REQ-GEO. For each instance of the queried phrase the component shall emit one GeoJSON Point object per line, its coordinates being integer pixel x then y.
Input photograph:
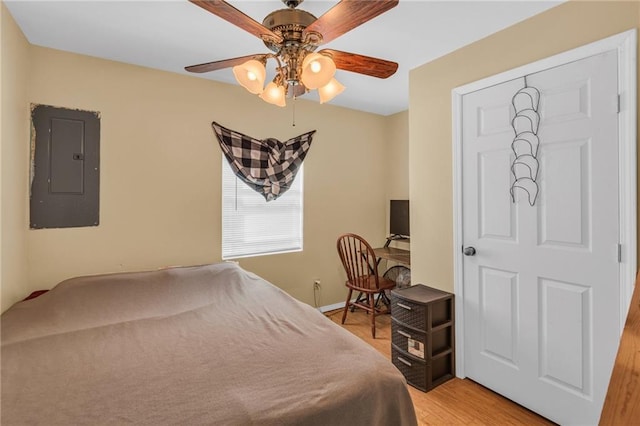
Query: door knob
{"type": "Point", "coordinates": [469, 251]}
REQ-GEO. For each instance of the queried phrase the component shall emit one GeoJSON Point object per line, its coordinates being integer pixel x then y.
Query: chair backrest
{"type": "Point", "coordinates": [359, 261]}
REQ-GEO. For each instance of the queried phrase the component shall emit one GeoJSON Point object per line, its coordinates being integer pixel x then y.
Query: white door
{"type": "Point", "coordinates": [541, 294]}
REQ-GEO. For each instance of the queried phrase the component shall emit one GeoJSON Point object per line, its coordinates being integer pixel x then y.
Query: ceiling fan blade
{"type": "Point", "coordinates": [361, 64]}
{"type": "Point", "coordinates": [347, 15]}
{"type": "Point", "coordinates": [218, 65]}
{"type": "Point", "coordinates": [230, 14]}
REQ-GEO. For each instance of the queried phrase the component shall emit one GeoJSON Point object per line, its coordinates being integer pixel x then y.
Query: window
{"type": "Point", "coordinates": [253, 227]}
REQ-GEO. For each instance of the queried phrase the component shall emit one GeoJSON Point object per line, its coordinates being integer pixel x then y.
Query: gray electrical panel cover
{"type": "Point", "coordinates": [65, 185]}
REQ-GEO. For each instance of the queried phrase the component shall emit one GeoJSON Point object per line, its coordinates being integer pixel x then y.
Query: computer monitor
{"type": "Point", "coordinates": [399, 217]}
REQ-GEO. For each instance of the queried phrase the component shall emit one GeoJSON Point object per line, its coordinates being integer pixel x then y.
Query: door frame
{"type": "Point", "coordinates": [626, 44]}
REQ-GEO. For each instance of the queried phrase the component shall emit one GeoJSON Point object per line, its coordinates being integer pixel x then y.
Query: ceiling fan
{"type": "Point", "coordinates": [294, 35]}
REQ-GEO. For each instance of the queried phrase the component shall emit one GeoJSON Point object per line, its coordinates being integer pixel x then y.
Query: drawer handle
{"type": "Point", "coordinates": [404, 361]}
{"type": "Point", "coordinates": [402, 333]}
{"type": "Point", "coordinates": [408, 308]}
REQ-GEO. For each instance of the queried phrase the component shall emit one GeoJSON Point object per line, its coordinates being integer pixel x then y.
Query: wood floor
{"type": "Point", "coordinates": [456, 402]}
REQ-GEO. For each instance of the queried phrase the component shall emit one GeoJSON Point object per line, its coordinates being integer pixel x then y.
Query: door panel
{"type": "Point", "coordinates": [494, 119]}
{"type": "Point", "coordinates": [566, 103]}
{"type": "Point", "coordinates": [565, 214]}
{"type": "Point", "coordinates": [499, 314]}
{"type": "Point", "coordinates": [565, 331]}
{"type": "Point", "coordinates": [541, 295]}
{"type": "Point", "coordinates": [496, 211]}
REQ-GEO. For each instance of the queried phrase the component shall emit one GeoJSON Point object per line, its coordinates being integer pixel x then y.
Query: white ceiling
{"type": "Point", "coordinates": [169, 35]}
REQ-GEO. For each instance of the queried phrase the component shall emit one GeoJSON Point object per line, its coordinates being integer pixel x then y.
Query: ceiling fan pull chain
{"type": "Point", "coordinates": [293, 124]}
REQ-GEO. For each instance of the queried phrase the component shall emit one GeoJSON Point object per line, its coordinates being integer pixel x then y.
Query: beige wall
{"type": "Point", "coordinates": [160, 174]}
{"type": "Point", "coordinates": [14, 160]}
{"type": "Point", "coordinates": [562, 28]}
{"type": "Point", "coordinates": [396, 168]}
{"type": "Point", "coordinates": [397, 157]}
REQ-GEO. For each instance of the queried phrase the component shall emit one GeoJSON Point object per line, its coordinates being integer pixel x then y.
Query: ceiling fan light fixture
{"type": "Point", "coordinates": [251, 75]}
{"type": "Point", "coordinates": [294, 35]}
{"type": "Point", "coordinates": [330, 90]}
{"type": "Point", "coordinates": [274, 94]}
{"type": "Point", "coordinates": [317, 70]}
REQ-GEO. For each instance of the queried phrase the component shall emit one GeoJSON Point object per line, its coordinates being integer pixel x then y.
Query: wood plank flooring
{"type": "Point", "coordinates": [456, 402]}
{"type": "Point", "coordinates": [622, 405]}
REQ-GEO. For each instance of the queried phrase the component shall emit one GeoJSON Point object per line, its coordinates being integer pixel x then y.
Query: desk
{"type": "Point", "coordinates": [395, 254]}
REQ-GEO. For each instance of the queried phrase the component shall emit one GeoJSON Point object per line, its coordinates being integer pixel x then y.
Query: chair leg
{"type": "Point", "coordinates": [346, 306]}
{"type": "Point", "coordinates": [358, 299]}
{"type": "Point", "coordinates": [372, 303]}
{"type": "Point", "coordinates": [382, 297]}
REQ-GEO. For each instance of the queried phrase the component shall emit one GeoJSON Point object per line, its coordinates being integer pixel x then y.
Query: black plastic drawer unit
{"type": "Point", "coordinates": [422, 335]}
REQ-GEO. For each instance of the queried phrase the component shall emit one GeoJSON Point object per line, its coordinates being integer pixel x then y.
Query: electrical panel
{"type": "Point", "coordinates": [65, 168]}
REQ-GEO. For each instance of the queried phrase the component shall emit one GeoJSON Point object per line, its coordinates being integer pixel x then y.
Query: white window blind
{"type": "Point", "coordinates": [253, 227]}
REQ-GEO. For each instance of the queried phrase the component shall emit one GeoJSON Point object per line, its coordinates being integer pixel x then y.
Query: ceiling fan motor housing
{"type": "Point", "coordinates": [292, 3]}
{"type": "Point", "coordinates": [290, 24]}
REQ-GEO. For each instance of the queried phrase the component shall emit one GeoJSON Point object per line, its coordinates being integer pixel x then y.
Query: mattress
{"type": "Point", "coordinates": [210, 344]}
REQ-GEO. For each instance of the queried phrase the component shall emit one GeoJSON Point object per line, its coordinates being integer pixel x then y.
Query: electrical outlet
{"type": "Point", "coordinates": [316, 284]}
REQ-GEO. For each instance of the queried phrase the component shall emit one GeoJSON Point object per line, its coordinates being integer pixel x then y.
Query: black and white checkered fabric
{"type": "Point", "coordinates": [268, 166]}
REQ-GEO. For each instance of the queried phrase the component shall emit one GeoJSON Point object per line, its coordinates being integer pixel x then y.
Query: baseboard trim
{"type": "Point", "coordinates": [333, 307]}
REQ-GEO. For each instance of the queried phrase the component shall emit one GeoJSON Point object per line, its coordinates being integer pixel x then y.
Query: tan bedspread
{"type": "Point", "coordinates": [199, 345]}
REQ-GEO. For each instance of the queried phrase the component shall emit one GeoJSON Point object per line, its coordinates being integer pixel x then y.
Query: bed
{"type": "Point", "coordinates": [210, 344]}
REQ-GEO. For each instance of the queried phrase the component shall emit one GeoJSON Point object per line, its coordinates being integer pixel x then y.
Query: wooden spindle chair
{"type": "Point", "coordinates": [361, 266]}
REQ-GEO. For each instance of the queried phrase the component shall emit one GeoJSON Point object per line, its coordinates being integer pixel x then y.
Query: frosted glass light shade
{"type": "Point", "coordinates": [274, 94]}
{"type": "Point", "coordinates": [317, 70]}
{"type": "Point", "coordinates": [251, 75]}
{"type": "Point", "coordinates": [330, 90]}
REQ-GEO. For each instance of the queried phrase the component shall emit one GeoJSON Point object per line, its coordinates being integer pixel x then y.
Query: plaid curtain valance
{"type": "Point", "coordinates": [268, 166]}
